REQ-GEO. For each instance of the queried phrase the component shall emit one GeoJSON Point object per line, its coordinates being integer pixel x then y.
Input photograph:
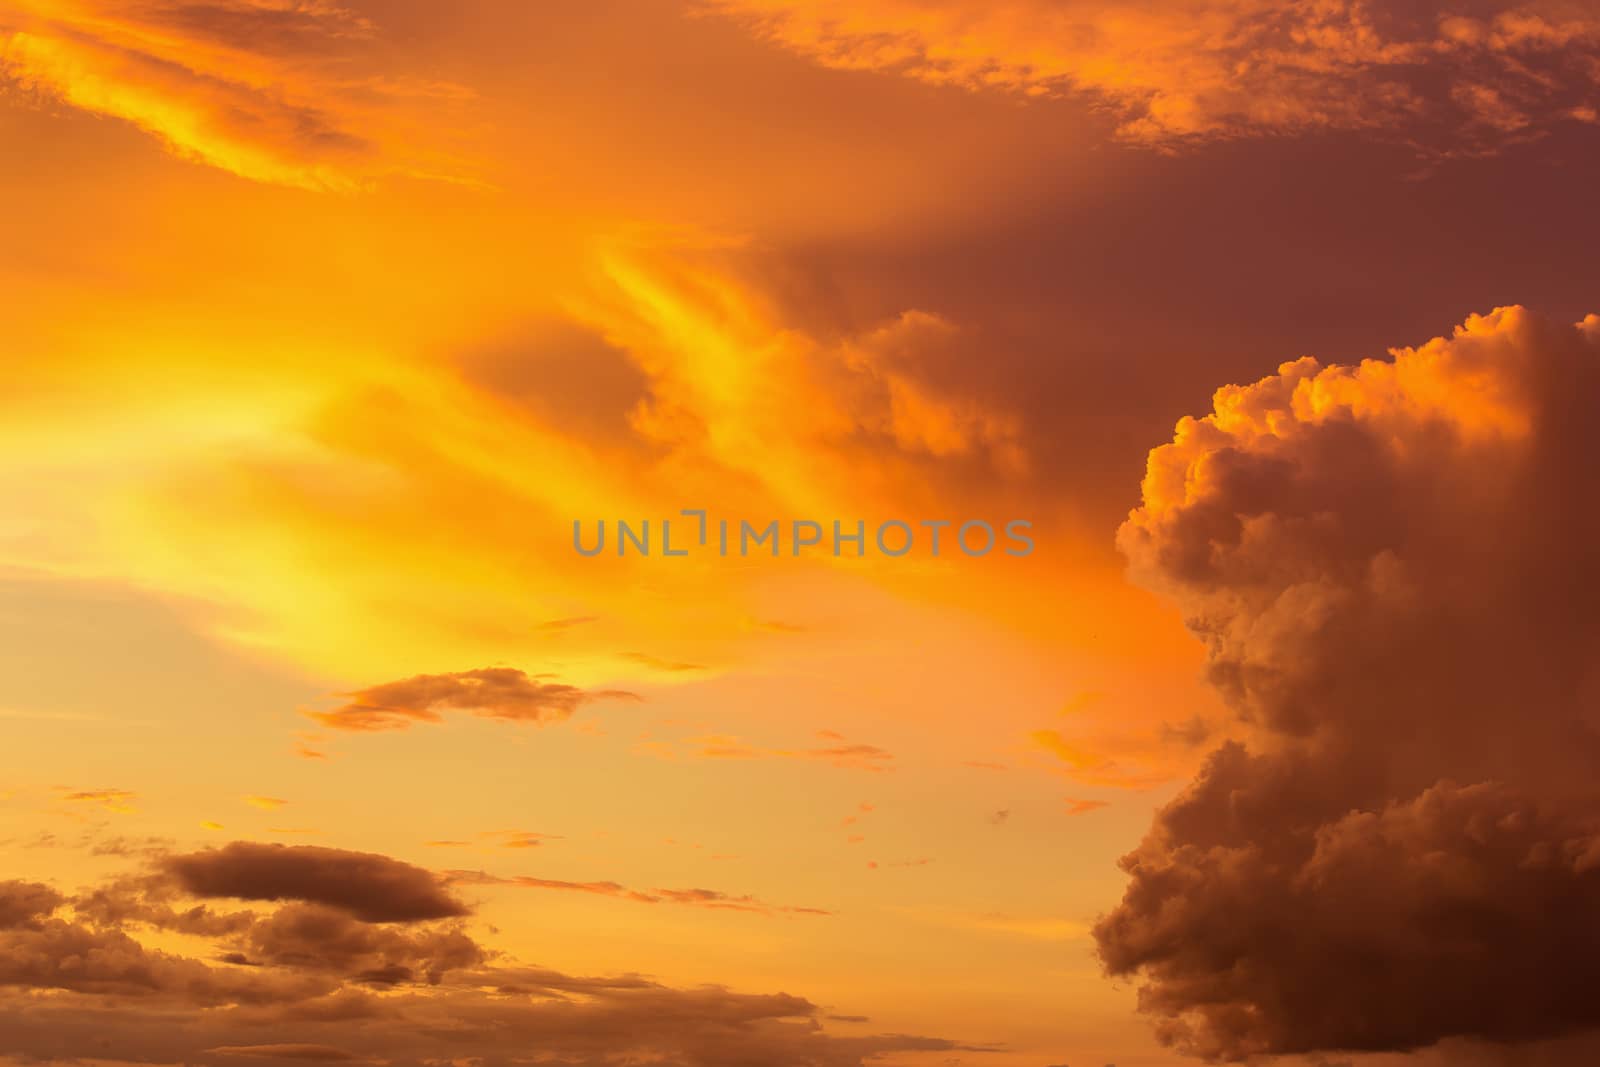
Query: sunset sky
{"type": "Point", "coordinates": [323, 321]}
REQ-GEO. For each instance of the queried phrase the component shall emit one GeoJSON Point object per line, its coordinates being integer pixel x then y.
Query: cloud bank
{"type": "Point", "coordinates": [360, 957]}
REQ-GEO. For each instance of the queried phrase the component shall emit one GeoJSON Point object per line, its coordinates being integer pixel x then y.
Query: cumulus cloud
{"type": "Point", "coordinates": [22, 903]}
{"type": "Point", "coordinates": [73, 956]}
{"type": "Point", "coordinates": [314, 937]}
{"type": "Point", "coordinates": [1190, 70]}
{"type": "Point", "coordinates": [492, 693]}
{"type": "Point", "coordinates": [1391, 568]}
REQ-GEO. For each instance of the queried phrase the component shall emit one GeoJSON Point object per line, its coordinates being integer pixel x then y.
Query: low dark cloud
{"type": "Point", "coordinates": [368, 886]}
{"type": "Point", "coordinates": [75, 957]}
{"type": "Point", "coordinates": [23, 903]}
{"type": "Point", "coordinates": [313, 937]}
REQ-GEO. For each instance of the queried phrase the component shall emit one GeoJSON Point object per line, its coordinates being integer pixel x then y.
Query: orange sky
{"type": "Point", "coordinates": [323, 322]}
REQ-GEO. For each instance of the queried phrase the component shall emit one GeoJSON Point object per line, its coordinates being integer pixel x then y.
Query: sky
{"type": "Point", "coordinates": [332, 333]}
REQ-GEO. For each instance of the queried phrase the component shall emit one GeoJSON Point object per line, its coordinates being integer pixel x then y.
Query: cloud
{"type": "Point", "coordinates": [117, 800]}
{"type": "Point", "coordinates": [1140, 762]}
{"type": "Point", "coordinates": [371, 887]}
{"type": "Point", "coordinates": [819, 421]}
{"type": "Point", "coordinates": [862, 811]}
{"type": "Point", "coordinates": [778, 626]}
{"type": "Point", "coordinates": [270, 90]}
{"type": "Point", "coordinates": [499, 839]}
{"type": "Point", "coordinates": [1192, 70]}
{"type": "Point", "coordinates": [304, 749]}
{"type": "Point", "coordinates": [557, 625]}
{"type": "Point", "coordinates": [122, 845]}
{"type": "Point", "coordinates": [312, 1053]}
{"type": "Point", "coordinates": [314, 937]}
{"type": "Point", "coordinates": [704, 898]}
{"type": "Point", "coordinates": [309, 938]}
{"type": "Point", "coordinates": [22, 903]}
{"type": "Point", "coordinates": [518, 838]}
{"type": "Point", "coordinates": [71, 957]}
{"type": "Point", "coordinates": [847, 755]}
{"type": "Point", "coordinates": [492, 693]}
{"type": "Point", "coordinates": [1104, 747]}
{"type": "Point", "coordinates": [265, 803]}
{"type": "Point", "coordinates": [878, 420]}
{"type": "Point", "coordinates": [656, 663]}
{"type": "Point", "coordinates": [1389, 567]}
{"type": "Point", "coordinates": [306, 981]}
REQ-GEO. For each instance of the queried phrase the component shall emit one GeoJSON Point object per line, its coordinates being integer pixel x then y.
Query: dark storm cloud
{"type": "Point", "coordinates": [1391, 567]}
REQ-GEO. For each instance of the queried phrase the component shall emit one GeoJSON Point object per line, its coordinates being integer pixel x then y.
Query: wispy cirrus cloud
{"type": "Point", "coordinates": [290, 1050]}
{"type": "Point", "coordinates": [657, 663]}
{"type": "Point", "coordinates": [277, 91]}
{"type": "Point", "coordinates": [1108, 758]}
{"type": "Point", "coordinates": [835, 751]}
{"type": "Point", "coordinates": [700, 898]}
{"type": "Point", "coordinates": [497, 839]}
{"type": "Point", "coordinates": [115, 800]}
